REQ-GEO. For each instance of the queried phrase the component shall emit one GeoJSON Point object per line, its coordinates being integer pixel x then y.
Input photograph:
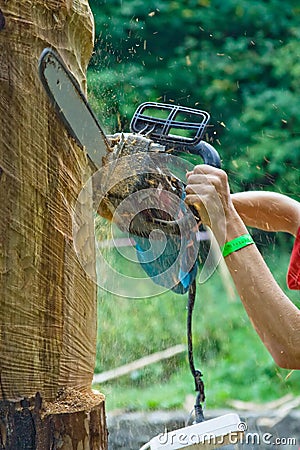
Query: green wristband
{"type": "Point", "coordinates": [236, 244]}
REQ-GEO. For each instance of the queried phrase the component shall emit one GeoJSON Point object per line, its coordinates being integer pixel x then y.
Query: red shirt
{"type": "Point", "coordinates": [293, 275]}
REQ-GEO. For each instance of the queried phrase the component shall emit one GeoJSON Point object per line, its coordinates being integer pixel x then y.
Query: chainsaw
{"type": "Point", "coordinates": [161, 137]}
{"type": "Point", "coordinates": [169, 125]}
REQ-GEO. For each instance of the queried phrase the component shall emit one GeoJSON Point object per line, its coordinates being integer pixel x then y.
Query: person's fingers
{"type": "Point", "coordinates": [200, 168]}
{"type": "Point", "coordinates": [194, 182]}
{"type": "Point", "coordinates": [214, 175]}
{"type": "Point", "coordinates": [208, 182]}
{"type": "Point", "coordinates": [206, 169]}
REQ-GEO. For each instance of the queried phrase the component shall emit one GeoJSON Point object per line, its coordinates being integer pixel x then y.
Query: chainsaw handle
{"type": "Point", "coordinates": [207, 152]}
{"type": "Point", "coordinates": [177, 128]}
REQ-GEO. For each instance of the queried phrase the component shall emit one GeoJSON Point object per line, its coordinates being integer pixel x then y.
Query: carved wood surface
{"type": "Point", "coordinates": [47, 302]}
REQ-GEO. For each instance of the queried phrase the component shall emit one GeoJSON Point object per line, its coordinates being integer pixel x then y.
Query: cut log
{"type": "Point", "coordinates": [47, 301]}
{"type": "Point", "coordinates": [75, 421]}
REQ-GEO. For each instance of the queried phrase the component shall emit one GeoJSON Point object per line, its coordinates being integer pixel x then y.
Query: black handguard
{"type": "Point", "coordinates": [178, 128]}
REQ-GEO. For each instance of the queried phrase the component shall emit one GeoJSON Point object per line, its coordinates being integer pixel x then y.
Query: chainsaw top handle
{"type": "Point", "coordinates": [178, 128]}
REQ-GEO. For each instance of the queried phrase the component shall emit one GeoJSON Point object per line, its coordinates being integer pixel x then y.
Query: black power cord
{"type": "Point", "coordinates": [199, 385]}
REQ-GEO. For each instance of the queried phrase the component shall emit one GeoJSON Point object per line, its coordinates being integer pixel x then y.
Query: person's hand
{"type": "Point", "coordinates": [208, 191]}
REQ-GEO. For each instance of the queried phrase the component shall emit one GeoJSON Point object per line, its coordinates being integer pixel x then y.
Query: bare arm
{"type": "Point", "coordinates": [268, 211]}
{"type": "Point", "coordinates": [273, 315]}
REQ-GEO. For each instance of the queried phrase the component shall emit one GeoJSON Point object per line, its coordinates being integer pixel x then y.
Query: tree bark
{"type": "Point", "coordinates": [47, 301]}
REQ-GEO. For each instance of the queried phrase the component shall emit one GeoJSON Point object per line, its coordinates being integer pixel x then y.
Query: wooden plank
{"type": "Point", "coordinates": [139, 364]}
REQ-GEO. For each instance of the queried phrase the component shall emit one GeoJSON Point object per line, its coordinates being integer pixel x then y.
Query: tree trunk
{"type": "Point", "coordinates": [48, 303]}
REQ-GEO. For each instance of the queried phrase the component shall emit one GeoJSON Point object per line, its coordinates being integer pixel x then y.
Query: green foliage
{"type": "Point", "coordinates": [237, 59]}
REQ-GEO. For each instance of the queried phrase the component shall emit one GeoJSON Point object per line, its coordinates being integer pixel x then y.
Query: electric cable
{"type": "Point", "coordinates": [199, 384]}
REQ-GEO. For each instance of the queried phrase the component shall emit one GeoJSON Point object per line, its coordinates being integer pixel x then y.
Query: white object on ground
{"type": "Point", "coordinates": [206, 435]}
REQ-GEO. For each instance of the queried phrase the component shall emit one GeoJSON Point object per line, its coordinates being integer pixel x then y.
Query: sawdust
{"type": "Point", "coordinates": [71, 400]}
{"type": "Point", "coordinates": [137, 188]}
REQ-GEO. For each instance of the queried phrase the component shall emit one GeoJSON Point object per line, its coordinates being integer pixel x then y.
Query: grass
{"type": "Point", "coordinates": [227, 350]}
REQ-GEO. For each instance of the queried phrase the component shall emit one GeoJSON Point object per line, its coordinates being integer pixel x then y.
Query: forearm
{"type": "Point", "coordinates": [268, 211]}
{"type": "Point", "coordinates": [274, 317]}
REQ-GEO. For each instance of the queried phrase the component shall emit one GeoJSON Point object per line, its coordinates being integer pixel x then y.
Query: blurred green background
{"type": "Point", "coordinates": [240, 61]}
